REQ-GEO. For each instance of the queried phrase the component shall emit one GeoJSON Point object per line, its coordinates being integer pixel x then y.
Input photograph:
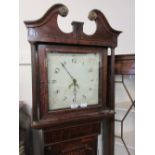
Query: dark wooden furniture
{"type": "Point", "coordinates": [125, 64]}
{"type": "Point", "coordinates": [73, 131]}
{"type": "Point", "coordinates": [25, 131]}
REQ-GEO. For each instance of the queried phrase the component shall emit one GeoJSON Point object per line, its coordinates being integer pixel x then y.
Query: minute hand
{"type": "Point", "coordinates": [67, 71]}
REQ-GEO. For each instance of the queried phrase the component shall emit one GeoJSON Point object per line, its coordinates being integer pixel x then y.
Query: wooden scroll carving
{"type": "Point", "coordinates": [46, 29]}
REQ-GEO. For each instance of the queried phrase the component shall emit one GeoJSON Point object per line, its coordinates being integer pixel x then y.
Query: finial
{"type": "Point", "coordinates": [92, 15]}
{"type": "Point", "coordinates": [63, 11]}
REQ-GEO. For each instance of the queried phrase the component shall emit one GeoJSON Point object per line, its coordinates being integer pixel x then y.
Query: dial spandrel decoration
{"type": "Point", "coordinates": [73, 80]}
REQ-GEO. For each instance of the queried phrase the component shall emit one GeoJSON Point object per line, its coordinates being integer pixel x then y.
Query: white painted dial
{"type": "Point", "coordinates": [72, 78]}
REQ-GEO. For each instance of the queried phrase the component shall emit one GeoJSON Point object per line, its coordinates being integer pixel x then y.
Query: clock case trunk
{"type": "Point", "coordinates": [70, 131]}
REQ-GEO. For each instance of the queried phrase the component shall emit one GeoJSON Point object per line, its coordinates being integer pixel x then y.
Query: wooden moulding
{"type": "Point", "coordinates": [46, 29]}
{"type": "Point", "coordinates": [125, 64]}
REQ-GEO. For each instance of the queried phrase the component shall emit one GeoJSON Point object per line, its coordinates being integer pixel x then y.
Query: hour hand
{"type": "Point", "coordinates": [73, 85]}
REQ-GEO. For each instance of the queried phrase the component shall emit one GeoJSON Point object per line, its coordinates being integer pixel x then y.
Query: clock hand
{"type": "Point", "coordinates": [74, 84]}
{"type": "Point", "coordinates": [75, 93]}
{"type": "Point", "coordinates": [75, 90]}
{"type": "Point", "coordinates": [64, 67]}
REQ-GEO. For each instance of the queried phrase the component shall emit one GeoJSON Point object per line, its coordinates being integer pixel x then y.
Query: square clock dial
{"type": "Point", "coordinates": [73, 79]}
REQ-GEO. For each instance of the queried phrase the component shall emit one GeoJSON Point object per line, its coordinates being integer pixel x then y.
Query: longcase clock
{"type": "Point", "coordinates": [73, 84]}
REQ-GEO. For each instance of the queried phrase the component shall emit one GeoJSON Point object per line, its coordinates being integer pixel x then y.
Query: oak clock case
{"type": "Point", "coordinates": [71, 79]}
{"type": "Point", "coordinates": [73, 84]}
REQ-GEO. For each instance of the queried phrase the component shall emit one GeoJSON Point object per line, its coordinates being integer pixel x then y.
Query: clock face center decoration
{"type": "Point", "coordinates": [73, 79]}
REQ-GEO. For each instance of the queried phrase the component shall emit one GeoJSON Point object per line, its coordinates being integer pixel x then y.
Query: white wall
{"type": "Point", "coordinates": [120, 14]}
